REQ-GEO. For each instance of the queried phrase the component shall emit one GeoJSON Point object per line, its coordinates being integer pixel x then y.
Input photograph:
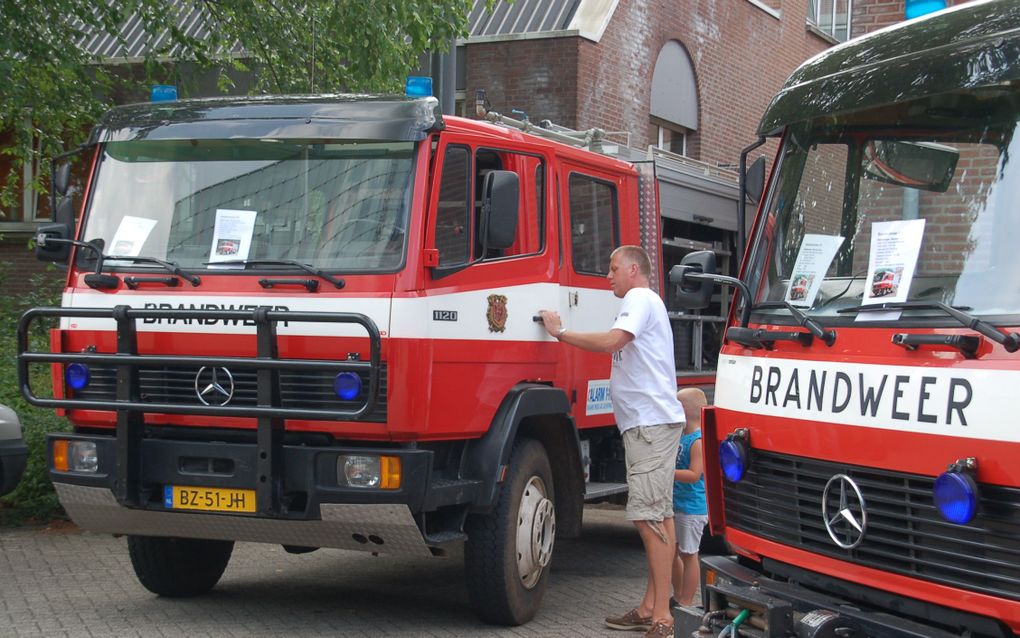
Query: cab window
{"type": "Point", "coordinates": [458, 217]}
{"type": "Point", "coordinates": [594, 229]}
{"type": "Point", "coordinates": [453, 216]}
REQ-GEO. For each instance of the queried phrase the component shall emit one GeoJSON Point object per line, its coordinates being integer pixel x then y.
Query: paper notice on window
{"type": "Point", "coordinates": [813, 260]}
{"type": "Point", "coordinates": [131, 235]}
{"type": "Point", "coordinates": [232, 234]}
{"type": "Point", "coordinates": [895, 247]}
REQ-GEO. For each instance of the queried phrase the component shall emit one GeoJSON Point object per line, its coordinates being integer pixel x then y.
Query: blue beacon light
{"type": "Point", "coordinates": [418, 86]}
{"type": "Point", "coordinates": [77, 376]}
{"type": "Point", "coordinates": [734, 455]}
{"type": "Point", "coordinates": [347, 386]}
{"type": "Point", "coordinates": [917, 8]}
{"type": "Point", "coordinates": [163, 93]}
{"type": "Point", "coordinates": [956, 493]}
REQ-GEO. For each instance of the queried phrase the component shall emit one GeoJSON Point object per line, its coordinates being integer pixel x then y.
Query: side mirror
{"type": "Point", "coordinates": [64, 212]}
{"type": "Point", "coordinates": [61, 178]}
{"type": "Point", "coordinates": [694, 293]}
{"type": "Point", "coordinates": [52, 242]}
{"type": "Point", "coordinates": [500, 196]}
{"type": "Point", "coordinates": [754, 183]}
{"type": "Point", "coordinates": [60, 184]}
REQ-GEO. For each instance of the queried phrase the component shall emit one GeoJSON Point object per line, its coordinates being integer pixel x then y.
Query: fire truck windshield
{"type": "Point", "coordinates": [335, 205]}
{"type": "Point", "coordinates": [867, 210]}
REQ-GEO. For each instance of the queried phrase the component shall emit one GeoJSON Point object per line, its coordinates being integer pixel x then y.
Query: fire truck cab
{"type": "Point", "coordinates": [861, 455]}
{"type": "Point", "coordinates": [311, 321]}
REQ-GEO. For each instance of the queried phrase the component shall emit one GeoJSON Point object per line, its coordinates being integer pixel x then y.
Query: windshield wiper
{"type": "Point", "coordinates": [269, 283]}
{"type": "Point", "coordinates": [1008, 340]}
{"type": "Point", "coordinates": [170, 266]}
{"type": "Point", "coordinates": [97, 279]}
{"type": "Point", "coordinates": [815, 330]}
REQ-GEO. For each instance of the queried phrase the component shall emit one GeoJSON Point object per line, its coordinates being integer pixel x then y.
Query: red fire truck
{"type": "Point", "coordinates": [310, 321]}
{"type": "Point", "coordinates": [861, 454]}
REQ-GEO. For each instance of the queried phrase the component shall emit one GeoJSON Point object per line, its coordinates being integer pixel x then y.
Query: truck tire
{"type": "Point", "coordinates": [178, 567]}
{"type": "Point", "coordinates": [508, 550]}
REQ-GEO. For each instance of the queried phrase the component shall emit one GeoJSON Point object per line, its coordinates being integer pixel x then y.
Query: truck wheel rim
{"type": "Point", "coordinates": [536, 531]}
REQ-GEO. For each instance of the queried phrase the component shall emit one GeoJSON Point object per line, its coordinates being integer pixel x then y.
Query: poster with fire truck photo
{"type": "Point", "coordinates": [895, 246]}
{"type": "Point", "coordinates": [813, 260]}
{"type": "Point", "coordinates": [131, 235]}
{"type": "Point", "coordinates": [232, 234]}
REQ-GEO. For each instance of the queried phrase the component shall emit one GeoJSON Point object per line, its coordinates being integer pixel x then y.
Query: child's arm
{"type": "Point", "coordinates": [693, 473]}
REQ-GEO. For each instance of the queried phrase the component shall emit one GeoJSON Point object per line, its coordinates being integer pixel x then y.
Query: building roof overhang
{"type": "Point", "coordinates": [131, 42]}
{"type": "Point", "coordinates": [535, 19]}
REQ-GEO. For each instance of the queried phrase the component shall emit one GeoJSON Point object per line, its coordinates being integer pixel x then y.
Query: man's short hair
{"type": "Point", "coordinates": [636, 255]}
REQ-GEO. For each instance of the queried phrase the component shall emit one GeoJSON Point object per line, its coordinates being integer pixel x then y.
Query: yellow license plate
{"type": "Point", "coordinates": [209, 499]}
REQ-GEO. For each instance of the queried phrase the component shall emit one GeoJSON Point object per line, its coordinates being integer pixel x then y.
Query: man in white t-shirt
{"type": "Point", "coordinates": [643, 387]}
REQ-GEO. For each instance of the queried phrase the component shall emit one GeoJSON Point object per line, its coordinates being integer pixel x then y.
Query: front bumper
{"type": "Point", "coordinates": [316, 511]}
{"type": "Point", "coordinates": [386, 529]}
{"type": "Point", "coordinates": [795, 606]}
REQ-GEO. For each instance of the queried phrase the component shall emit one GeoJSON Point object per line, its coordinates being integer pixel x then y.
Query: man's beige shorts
{"type": "Point", "coordinates": [651, 458]}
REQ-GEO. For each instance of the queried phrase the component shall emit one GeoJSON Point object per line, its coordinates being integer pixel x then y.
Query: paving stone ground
{"type": "Point", "coordinates": [63, 582]}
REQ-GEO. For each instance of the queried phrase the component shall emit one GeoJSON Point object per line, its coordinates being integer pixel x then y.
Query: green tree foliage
{"type": "Point", "coordinates": [34, 498]}
{"type": "Point", "coordinates": [53, 90]}
{"type": "Point", "coordinates": [359, 45]}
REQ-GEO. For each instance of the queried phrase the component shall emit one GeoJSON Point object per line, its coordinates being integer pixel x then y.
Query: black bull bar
{"type": "Point", "coordinates": [267, 364]}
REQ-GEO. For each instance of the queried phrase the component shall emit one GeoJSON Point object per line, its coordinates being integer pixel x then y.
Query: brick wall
{"type": "Point", "coordinates": [741, 56]}
{"type": "Point", "coordinates": [18, 267]}
{"type": "Point", "coordinates": [536, 76]}
{"type": "Point", "coordinates": [871, 15]}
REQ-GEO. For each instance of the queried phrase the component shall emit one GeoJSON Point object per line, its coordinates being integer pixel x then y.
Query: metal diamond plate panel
{"type": "Point", "coordinates": [649, 210]}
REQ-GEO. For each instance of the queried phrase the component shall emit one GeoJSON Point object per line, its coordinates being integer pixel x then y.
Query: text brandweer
{"type": "Point", "coordinates": [838, 392]}
{"type": "Point", "coordinates": [204, 321]}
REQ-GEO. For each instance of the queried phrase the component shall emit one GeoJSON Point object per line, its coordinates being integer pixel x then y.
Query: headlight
{"type": "Point", "coordinates": [368, 471]}
{"type": "Point", "coordinates": [75, 456]}
{"type": "Point", "coordinates": [82, 457]}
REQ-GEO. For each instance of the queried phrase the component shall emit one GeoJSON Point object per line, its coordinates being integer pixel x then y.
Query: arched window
{"type": "Point", "coordinates": [674, 104]}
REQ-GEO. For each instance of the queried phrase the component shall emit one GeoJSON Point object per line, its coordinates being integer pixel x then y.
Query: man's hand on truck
{"type": "Point", "coordinates": [609, 341]}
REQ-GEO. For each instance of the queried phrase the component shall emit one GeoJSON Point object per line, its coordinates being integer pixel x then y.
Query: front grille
{"type": "Point", "coordinates": [780, 499]}
{"type": "Point", "coordinates": [298, 390]}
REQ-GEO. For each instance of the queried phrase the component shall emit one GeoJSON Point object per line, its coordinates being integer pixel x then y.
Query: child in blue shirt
{"type": "Point", "coordinates": [689, 505]}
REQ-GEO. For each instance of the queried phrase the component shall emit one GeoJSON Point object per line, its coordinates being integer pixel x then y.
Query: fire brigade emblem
{"type": "Point", "coordinates": [497, 313]}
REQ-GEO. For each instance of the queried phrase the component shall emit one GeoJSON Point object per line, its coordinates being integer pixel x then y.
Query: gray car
{"type": "Point", "coordinates": [12, 450]}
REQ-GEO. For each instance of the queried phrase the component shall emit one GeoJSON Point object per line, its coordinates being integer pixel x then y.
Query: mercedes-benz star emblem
{"type": "Point", "coordinates": [847, 522]}
{"type": "Point", "coordinates": [214, 386]}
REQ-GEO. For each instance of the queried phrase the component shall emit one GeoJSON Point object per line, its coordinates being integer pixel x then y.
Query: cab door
{"type": "Point", "coordinates": [593, 225]}
{"type": "Point", "coordinates": [481, 300]}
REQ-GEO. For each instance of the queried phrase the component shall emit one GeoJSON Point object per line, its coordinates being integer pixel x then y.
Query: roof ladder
{"type": "Point", "coordinates": [590, 139]}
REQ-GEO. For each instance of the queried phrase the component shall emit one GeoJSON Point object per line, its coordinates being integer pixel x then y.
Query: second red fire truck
{"type": "Point", "coordinates": [861, 457]}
